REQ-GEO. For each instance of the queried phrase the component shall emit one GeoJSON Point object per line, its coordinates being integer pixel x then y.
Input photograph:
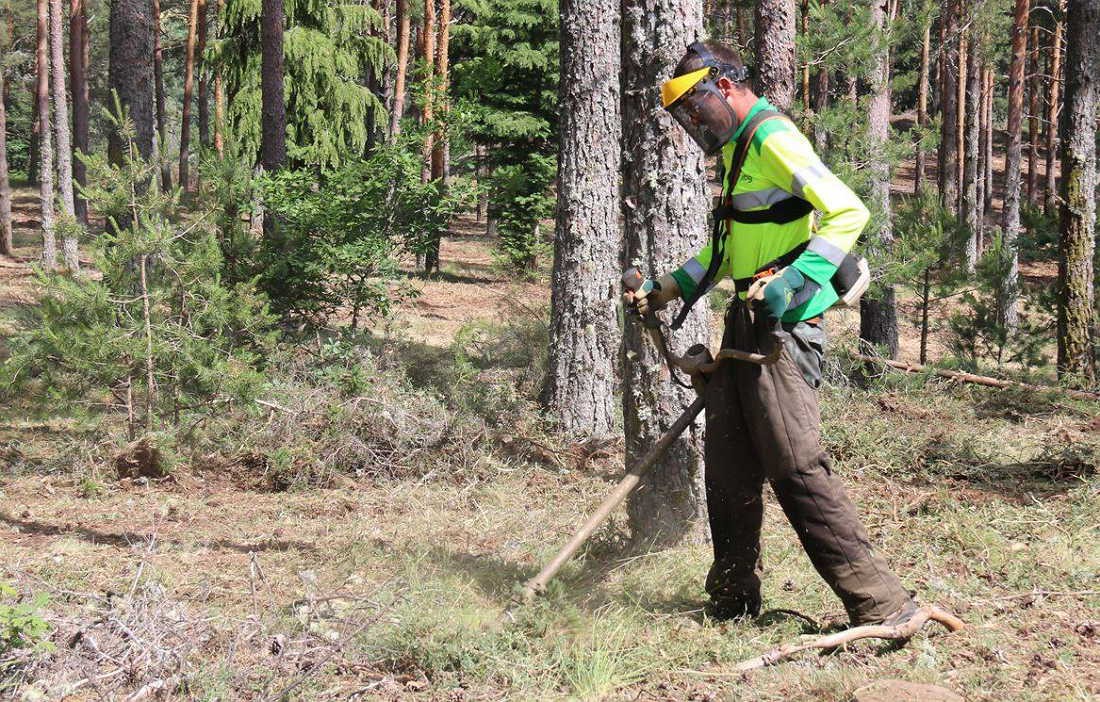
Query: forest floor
{"type": "Point", "coordinates": [207, 585]}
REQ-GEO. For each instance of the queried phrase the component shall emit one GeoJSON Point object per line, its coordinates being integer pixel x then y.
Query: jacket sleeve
{"type": "Point", "coordinates": [790, 161]}
{"type": "Point", "coordinates": [689, 275]}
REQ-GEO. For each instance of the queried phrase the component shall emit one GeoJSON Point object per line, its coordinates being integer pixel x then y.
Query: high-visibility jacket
{"type": "Point", "coordinates": [781, 163]}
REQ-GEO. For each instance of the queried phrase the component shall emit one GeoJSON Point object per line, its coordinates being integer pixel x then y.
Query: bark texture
{"type": "Point", "coordinates": [665, 205]}
{"type": "Point", "coordinates": [219, 104]}
{"type": "Point", "coordinates": [584, 330]}
{"type": "Point", "coordinates": [439, 140]}
{"type": "Point", "coordinates": [1054, 107]}
{"type": "Point", "coordinates": [203, 77]}
{"type": "Point", "coordinates": [776, 67]}
{"type": "Point", "coordinates": [188, 92]}
{"type": "Point", "coordinates": [273, 127]}
{"type": "Point", "coordinates": [878, 320]}
{"type": "Point", "coordinates": [162, 119]}
{"type": "Point", "coordinates": [922, 104]}
{"type": "Point", "coordinates": [1033, 90]}
{"type": "Point", "coordinates": [131, 72]}
{"type": "Point", "coordinates": [1011, 222]}
{"type": "Point", "coordinates": [69, 238]}
{"type": "Point", "coordinates": [6, 247]}
{"type": "Point", "coordinates": [78, 89]}
{"type": "Point", "coordinates": [402, 68]}
{"type": "Point", "coordinates": [949, 107]}
{"type": "Point", "coordinates": [45, 145]}
{"type": "Point", "coordinates": [1076, 312]}
{"type": "Point", "coordinates": [971, 202]}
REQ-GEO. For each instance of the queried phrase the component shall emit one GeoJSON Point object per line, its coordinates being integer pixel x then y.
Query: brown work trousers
{"type": "Point", "coordinates": [763, 423]}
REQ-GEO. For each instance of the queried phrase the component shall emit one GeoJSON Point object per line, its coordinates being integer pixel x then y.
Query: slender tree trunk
{"type": "Point", "coordinates": [439, 141]}
{"type": "Point", "coordinates": [925, 302]}
{"type": "Point", "coordinates": [7, 248]}
{"type": "Point", "coordinates": [805, 69]}
{"type": "Point", "coordinates": [1033, 89]}
{"type": "Point", "coordinates": [878, 321]}
{"type": "Point", "coordinates": [776, 65]}
{"type": "Point", "coordinates": [980, 160]}
{"type": "Point", "coordinates": [1054, 108]}
{"type": "Point", "coordinates": [204, 77]}
{"type": "Point", "coordinates": [188, 93]}
{"type": "Point", "coordinates": [42, 103]}
{"type": "Point", "coordinates": [427, 55]}
{"type": "Point", "coordinates": [402, 67]}
{"type": "Point", "coordinates": [584, 330]}
{"type": "Point", "coordinates": [970, 197]}
{"type": "Point", "coordinates": [162, 118]}
{"type": "Point", "coordinates": [150, 374]}
{"type": "Point", "coordinates": [820, 90]}
{"type": "Point", "coordinates": [960, 113]}
{"type": "Point", "coordinates": [987, 136]}
{"type": "Point", "coordinates": [219, 103]}
{"type": "Point", "coordinates": [922, 104]}
{"type": "Point", "coordinates": [1011, 223]}
{"type": "Point", "coordinates": [69, 237]}
{"type": "Point", "coordinates": [273, 146]}
{"type": "Point", "coordinates": [78, 88]}
{"type": "Point", "coordinates": [665, 202]}
{"type": "Point", "coordinates": [1076, 300]}
{"type": "Point", "coordinates": [949, 108]}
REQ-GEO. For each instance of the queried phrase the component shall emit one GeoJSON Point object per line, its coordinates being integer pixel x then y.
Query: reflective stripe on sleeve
{"type": "Point", "coordinates": [827, 250]}
{"type": "Point", "coordinates": [760, 198]}
{"type": "Point", "coordinates": [807, 175]}
{"type": "Point", "coordinates": [694, 269]}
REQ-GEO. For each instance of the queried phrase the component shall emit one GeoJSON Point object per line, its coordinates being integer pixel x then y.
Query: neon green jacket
{"type": "Point", "coordinates": [781, 163]}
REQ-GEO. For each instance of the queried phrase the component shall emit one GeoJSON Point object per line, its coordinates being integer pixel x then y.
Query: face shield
{"type": "Point", "coordinates": [695, 101]}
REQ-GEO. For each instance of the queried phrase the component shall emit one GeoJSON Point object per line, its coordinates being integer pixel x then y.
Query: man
{"type": "Point", "coordinates": [763, 421]}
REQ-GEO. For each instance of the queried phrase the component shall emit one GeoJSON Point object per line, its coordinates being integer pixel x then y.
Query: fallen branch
{"type": "Point", "coordinates": [977, 379]}
{"type": "Point", "coordinates": [873, 631]}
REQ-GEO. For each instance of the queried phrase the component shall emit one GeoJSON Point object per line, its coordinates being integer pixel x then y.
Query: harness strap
{"type": "Point", "coordinates": [782, 212]}
{"type": "Point", "coordinates": [743, 284]}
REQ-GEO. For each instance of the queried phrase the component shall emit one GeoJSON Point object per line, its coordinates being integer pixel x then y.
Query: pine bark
{"type": "Point", "coordinates": [1076, 312]}
{"type": "Point", "coordinates": [439, 140]}
{"type": "Point", "coordinates": [1009, 295]}
{"type": "Point", "coordinates": [188, 94]}
{"type": "Point", "coordinates": [971, 202]}
{"type": "Point", "coordinates": [131, 72]}
{"type": "Point", "coordinates": [162, 118]}
{"type": "Point", "coordinates": [427, 56]}
{"type": "Point", "coordinates": [398, 109]}
{"type": "Point", "coordinates": [273, 127]}
{"type": "Point", "coordinates": [949, 108]}
{"type": "Point", "coordinates": [664, 202]}
{"type": "Point", "coordinates": [78, 89]}
{"type": "Point", "coordinates": [1054, 108]}
{"type": "Point", "coordinates": [42, 105]}
{"type": "Point", "coordinates": [960, 121]}
{"type": "Point", "coordinates": [219, 104]}
{"type": "Point", "coordinates": [7, 247]}
{"type": "Point", "coordinates": [69, 245]}
{"type": "Point", "coordinates": [922, 104]}
{"type": "Point", "coordinates": [776, 65]}
{"type": "Point", "coordinates": [203, 77]}
{"type": "Point", "coordinates": [1033, 90]}
{"type": "Point", "coordinates": [584, 329]}
{"type": "Point", "coordinates": [878, 320]}
{"type": "Point", "coordinates": [987, 141]}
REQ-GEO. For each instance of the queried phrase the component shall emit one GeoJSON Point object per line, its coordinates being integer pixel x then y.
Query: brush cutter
{"type": "Point", "coordinates": [697, 364]}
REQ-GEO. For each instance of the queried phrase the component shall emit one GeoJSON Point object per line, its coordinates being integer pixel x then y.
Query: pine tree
{"type": "Point", "coordinates": [78, 88]}
{"type": "Point", "coordinates": [1054, 106]}
{"type": "Point", "coordinates": [42, 102]}
{"type": "Point", "coordinates": [403, 30]}
{"type": "Point", "coordinates": [189, 87]}
{"type": "Point", "coordinates": [68, 224]}
{"type": "Point", "coordinates": [776, 67]}
{"type": "Point", "coordinates": [584, 332]}
{"type": "Point", "coordinates": [158, 89]}
{"type": "Point", "coordinates": [664, 202]}
{"type": "Point", "coordinates": [6, 246]}
{"type": "Point", "coordinates": [1007, 304]}
{"type": "Point", "coordinates": [273, 143]}
{"type": "Point", "coordinates": [130, 74]}
{"type": "Point", "coordinates": [949, 105]}
{"type": "Point", "coordinates": [1076, 311]}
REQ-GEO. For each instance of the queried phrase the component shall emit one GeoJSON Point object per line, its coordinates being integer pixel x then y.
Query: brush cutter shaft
{"type": "Point", "coordinates": [537, 584]}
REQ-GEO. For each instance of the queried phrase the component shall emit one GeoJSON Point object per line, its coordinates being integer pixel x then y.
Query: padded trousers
{"type": "Point", "coordinates": [763, 422]}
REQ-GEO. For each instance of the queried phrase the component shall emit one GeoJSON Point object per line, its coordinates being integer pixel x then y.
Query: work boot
{"type": "Point", "coordinates": [902, 615]}
{"type": "Point", "coordinates": [739, 607]}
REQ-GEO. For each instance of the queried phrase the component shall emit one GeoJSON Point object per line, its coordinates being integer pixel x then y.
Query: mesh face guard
{"type": "Point", "coordinates": [704, 114]}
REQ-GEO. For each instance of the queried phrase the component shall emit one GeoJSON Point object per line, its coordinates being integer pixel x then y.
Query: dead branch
{"type": "Point", "coordinates": [978, 379]}
{"type": "Point", "coordinates": [874, 631]}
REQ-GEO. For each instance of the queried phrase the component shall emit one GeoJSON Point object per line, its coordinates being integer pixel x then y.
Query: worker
{"type": "Point", "coordinates": [763, 422]}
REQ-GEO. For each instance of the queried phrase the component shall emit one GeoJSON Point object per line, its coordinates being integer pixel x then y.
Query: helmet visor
{"type": "Point", "coordinates": [705, 116]}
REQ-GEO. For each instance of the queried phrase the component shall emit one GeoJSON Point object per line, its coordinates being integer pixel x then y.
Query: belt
{"type": "Point", "coordinates": [743, 284]}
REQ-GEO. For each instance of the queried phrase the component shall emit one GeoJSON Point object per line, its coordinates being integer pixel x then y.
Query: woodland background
{"type": "Point", "coordinates": [311, 347]}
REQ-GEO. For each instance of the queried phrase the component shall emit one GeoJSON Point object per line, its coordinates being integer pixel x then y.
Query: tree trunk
{"type": "Point", "coordinates": [7, 248]}
{"type": "Point", "coordinates": [922, 104]}
{"type": "Point", "coordinates": [42, 105]}
{"type": "Point", "coordinates": [219, 103]}
{"type": "Point", "coordinates": [1011, 223]}
{"type": "Point", "coordinates": [188, 93]}
{"type": "Point", "coordinates": [1076, 312]}
{"type": "Point", "coordinates": [971, 201]}
{"type": "Point", "coordinates": [427, 55]}
{"type": "Point", "coordinates": [878, 321]}
{"type": "Point", "coordinates": [162, 118]}
{"type": "Point", "coordinates": [1033, 89]}
{"type": "Point", "coordinates": [960, 113]}
{"type": "Point", "coordinates": [987, 140]}
{"type": "Point", "coordinates": [402, 67]}
{"type": "Point", "coordinates": [273, 146]}
{"type": "Point", "coordinates": [949, 108]}
{"type": "Point", "coordinates": [439, 141]}
{"type": "Point", "coordinates": [204, 77]}
{"type": "Point", "coordinates": [776, 65]}
{"type": "Point", "coordinates": [69, 236]}
{"type": "Point", "coordinates": [1054, 108]}
{"type": "Point", "coordinates": [584, 330]}
{"type": "Point", "coordinates": [664, 200]}
{"type": "Point", "coordinates": [78, 88]}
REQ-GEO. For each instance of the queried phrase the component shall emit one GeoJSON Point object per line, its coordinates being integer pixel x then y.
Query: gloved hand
{"type": "Point", "coordinates": [777, 291]}
{"type": "Point", "coordinates": [664, 291]}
